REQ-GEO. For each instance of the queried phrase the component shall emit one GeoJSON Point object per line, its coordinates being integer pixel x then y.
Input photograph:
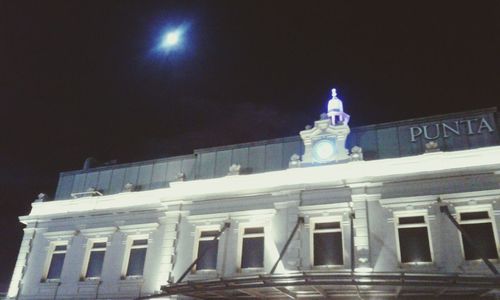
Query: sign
{"type": "Point", "coordinates": [447, 129]}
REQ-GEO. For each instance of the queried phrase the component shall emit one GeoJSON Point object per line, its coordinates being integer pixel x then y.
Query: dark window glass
{"type": "Point", "coordinates": [254, 230]}
{"type": "Point", "coordinates": [414, 245]}
{"type": "Point", "coordinates": [412, 220]}
{"type": "Point", "coordinates": [252, 255]}
{"type": "Point", "coordinates": [213, 233]}
{"type": "Point", "coordinates": [482, 236]}
{"type": "Point", "coordinates": [140, 242]}
{"type": "Point", "coordinates": [96, 260]}
{"type": "Point", "coordinates": [56, 264]}
{"type": "Point", "coordinates": [474, 215]}
{"type": "Point", "coordinates": [99, 245]}
{"type": "Point", "coordinates": [329, 225]}
{"type": "Point", "coordinates": [60, 248]}
{"type": "Point", "coordinates": [207, 255]}
{"type": "Point", "coordinates": [136, 261]}
{"type": "Point", "coordinates": [328, 249]}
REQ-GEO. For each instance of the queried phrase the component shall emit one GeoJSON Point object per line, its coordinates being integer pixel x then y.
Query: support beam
{"type": "Point", "coordinates": [300, 220]}
{"type": "Point", "coordinates": [287, 292]}
{"type": "Point", "coordinates": [321, 291]}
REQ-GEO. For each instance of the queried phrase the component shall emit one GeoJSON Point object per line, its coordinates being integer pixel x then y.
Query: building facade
{"type": "Point", "coordinates": [334, 212]}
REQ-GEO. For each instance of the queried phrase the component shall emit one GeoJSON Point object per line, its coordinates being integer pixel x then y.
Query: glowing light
{"type": "Point", "coordinates": [171, 39]}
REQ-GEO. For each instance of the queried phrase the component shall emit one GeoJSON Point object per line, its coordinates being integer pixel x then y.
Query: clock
{"type": "Point", "coordinates": [324, 150]}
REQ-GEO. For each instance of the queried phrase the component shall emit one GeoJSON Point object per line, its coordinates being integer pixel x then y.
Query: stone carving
{"type": "Point", "coordinates": [129, 187]}
{"type": "Point", "coordinates": [294, 161]}
{"type": "Point", "coordinates": [431, 146]}
{"type": "Point", "coordinates": [180, 177]}
{"type": "Point", "coordinates": [234, 169]}
{"type": "Point", "coordinates": [356, 153]}
{"type": "Point", "coordinates": [42, 197]}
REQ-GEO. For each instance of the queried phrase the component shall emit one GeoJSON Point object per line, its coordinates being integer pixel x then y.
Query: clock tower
{"type": "Point", "coordinates": [325, 142]}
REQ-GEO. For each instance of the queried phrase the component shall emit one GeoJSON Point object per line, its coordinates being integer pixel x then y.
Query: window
{"type": "Point", "coordinates": [95, 259]}
{"type": "Point", "coordinates": [137, 257]}
{"type": "Point", "coordinates": [327, 243]}
{"type": "Point", "coordinates": [252, 248]}
{"type": "Point", "coordinates": [207, 250]}
{"type": "Point", "coordinates": [55, 265]}
{"type": "Point", "coordinates": [479, 226]}
{"type": "Point", "coordinates": [412, 234]}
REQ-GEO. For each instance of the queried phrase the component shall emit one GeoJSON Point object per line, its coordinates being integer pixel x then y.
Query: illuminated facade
{"type": "Point", "coordinates": [337, 212]}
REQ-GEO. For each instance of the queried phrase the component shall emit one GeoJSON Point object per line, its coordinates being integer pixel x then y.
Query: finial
{"type": "Point", "coordinates": [334, 93]}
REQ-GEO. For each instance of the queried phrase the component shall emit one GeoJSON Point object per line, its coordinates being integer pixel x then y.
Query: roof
{"type": "Point", "coordinates": [386, 140]}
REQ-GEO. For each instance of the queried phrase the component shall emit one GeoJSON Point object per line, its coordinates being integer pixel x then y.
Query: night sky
{"type": "Point", "coordinates": [85, 78]}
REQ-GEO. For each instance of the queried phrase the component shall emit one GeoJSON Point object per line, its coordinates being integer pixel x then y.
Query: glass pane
{"type": "Point", "coordinates": [482, 236]}
{"type": "Point", "coordinates": [329, 225]}
{"type": "Point", "coordinates": [252, 254]}
{"type": "Point", "coordinates": [474, 215]}
{"type": "Point", "coordinates": [212, 233]}
{"type": "Point", "coordinates": [414, 245]}
{"type": "Point", "coordinates": [254, 230]}
{"type": "Point", "coordinates": [140, 242]}
{"type": "Point", "coordinates": [99, 245]}
{"type": "Point", "coordinates": [96, 260]}
{"type": "Point", "coordinates": [60, 248]}
{"type": "Point", "coordinates": [328, 249]}
{"type": "Point", "coordinates": [56, 265]}
{"type": "Point", "coordinates": [412, 220]}
{"type": "Point", "coordinates": [136, 261]}
{"type": "Point", "coordinates": [207, 254]}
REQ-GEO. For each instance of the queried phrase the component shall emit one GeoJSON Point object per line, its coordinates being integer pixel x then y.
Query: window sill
{"type": "Point", "coordinates": [89, 281]}
{"type": "Point", "coordinates": [328, 267]}
{"type": "Point", "coordinates": [50, 282]}
{"type": "Point", "coordinates": [477, 264]}
{"type": "Point", "coordinates": [252, 271]}
{"type": "Point", "coordinates": [133, 279]}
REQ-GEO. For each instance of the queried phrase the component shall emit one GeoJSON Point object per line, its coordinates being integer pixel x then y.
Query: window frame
{"type": "Point", "coordinates": [491, 219]}
{"type": "Point", "coordinates": [88, 252]}
{"type": "Point", "coordinates": [128, 249]}
{"type": "Point", "coordinates": [312, 225]}
{"type": "Point", "coordinates": [48, 260]}
{"type": "Point", "coordinates": [241, 236]}
{"type": "Point", "coordinates": [199, 230]}
{"type": "Point", "coordinates": [408, 214]}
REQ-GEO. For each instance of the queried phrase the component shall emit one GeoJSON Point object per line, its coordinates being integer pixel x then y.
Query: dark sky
{"type": "Point", "coordinates": [84, 78]}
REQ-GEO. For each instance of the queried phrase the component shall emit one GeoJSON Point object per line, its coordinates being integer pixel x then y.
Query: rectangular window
{"type": "Point", "coordinates": [56, 261]}
{"type": "Point", "coordinates": [207, 250]}
{"type": "Point", "coordinates": [413, 238]}
{"type": "Point", "coordinates": [252, 248]}
{"type": "Point", "coordinates": [327, 244]}
{"type": "Point", "coordinates": [137, 257]}
{"type": "Point", "coordinates": [479, 227]}
{"type": "Point", "coordinates": [96, 260]}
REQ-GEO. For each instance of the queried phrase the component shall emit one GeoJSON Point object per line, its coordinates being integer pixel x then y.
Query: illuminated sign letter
{"type": "Point", "coordinates": [415, 131]}
{"type": "Point", "coordinates": [455, 130]}
{"type": "Point", "coordinates": [431, 137]}
{"type": "Point", "coordinates": [484, 124]}
{"type": "Point", "coordinates": [469, 125]}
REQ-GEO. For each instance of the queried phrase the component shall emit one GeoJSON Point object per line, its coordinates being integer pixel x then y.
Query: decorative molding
{"type": "Point", "coordinates": [98, 232]}
{"type": "Point", "coordinates": [60, 235]}
{"type": "Point", "coordinates": [144, 228]}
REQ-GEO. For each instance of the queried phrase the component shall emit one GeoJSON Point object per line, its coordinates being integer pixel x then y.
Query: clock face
{"type": "Point", "coordinates": [324, 150]}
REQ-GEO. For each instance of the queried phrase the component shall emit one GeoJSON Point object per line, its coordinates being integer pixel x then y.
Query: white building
{"type": "Point", "coordinates": [369, 221]}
